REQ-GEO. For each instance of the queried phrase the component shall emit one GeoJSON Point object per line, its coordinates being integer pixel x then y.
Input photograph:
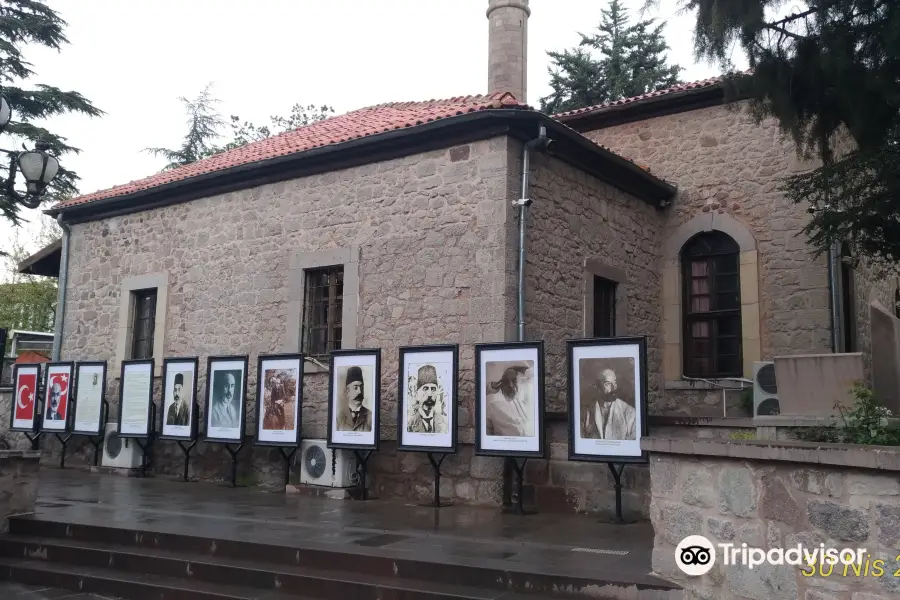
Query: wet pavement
{"type": "Point", "coordinates": [14, 591]}
{"type": "Point", "coordinates": [570, 545]}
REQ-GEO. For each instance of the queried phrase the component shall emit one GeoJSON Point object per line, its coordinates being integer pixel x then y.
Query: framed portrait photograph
{"type": "Point", "coordinates": [226, 393]}
{"type": "Point", "coordinates": [25, 396]}
{"type": "Point", "coordinates": [57, 388]}
{"type": "Point", "coordinates": [427, 398]}
{"type": "Point", "coordinates": [179, 399]}
{"type": "Point", "coordinates": [135, 398]}
{"type": "Point", "coordinates": [279, 395]}
{"type": "Point", "coordinates": [509, 408]}
{"type": "Point", "coordinates": [354, 399]}
{"type": "Point", "coordinates": [607, 399]}
{"type": "Point", "coordinates": [90, 392]}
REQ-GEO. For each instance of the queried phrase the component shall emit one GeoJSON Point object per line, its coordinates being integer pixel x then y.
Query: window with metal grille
{"type": "Point", "coordinates": [322, 308]}
{"type": "Point", "coordinates": [144, 325]}
{"type": "Point", "coordinates": [711, 306]}
{"type": "Point", "coordinates": [604, 307]}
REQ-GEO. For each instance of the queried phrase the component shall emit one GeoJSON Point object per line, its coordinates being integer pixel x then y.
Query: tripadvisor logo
{"type": "Point", "coordinates": [695, 555]}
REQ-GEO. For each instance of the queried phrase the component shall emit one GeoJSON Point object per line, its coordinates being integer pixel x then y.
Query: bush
{"type": "Point", "coordinates": [866, 422]}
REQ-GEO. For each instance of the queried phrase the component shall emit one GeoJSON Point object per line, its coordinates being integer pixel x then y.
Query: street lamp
{"type": "Point", "coordinates": [38, 166]}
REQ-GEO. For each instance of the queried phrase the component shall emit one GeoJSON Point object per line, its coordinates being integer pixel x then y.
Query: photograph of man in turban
{"type": "Point", "coordinates": [178, 413]}
{"type": "Point", "coordinates": [354, 415]}
{"type": "Point", "coordinates": [428, 404]}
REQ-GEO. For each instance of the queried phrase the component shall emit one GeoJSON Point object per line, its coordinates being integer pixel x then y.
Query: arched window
{"type": "Point", "coordinates": [711, 306]}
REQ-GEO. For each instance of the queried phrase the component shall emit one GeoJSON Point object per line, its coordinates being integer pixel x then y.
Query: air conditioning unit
{"type": "Point", "coordinates": [765, 390]}
{"type": "Point", "coordinates": [327, 467]}
{"type": "Point", "coordinates": [121, 453]}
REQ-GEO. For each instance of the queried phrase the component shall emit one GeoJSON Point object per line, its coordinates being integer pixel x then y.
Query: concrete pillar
{"type": "Point", "coordinates": [508, 47]}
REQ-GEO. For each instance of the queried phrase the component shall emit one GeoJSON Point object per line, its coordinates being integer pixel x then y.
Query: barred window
{"type": "Point", "coordinates": [322, 308]}
{"type": "Point", "coordinates": [144, 325]}
{"type": "Point", "coordinates": [604, 307]}
{"type": "Point", "coordinates": [711, 306]}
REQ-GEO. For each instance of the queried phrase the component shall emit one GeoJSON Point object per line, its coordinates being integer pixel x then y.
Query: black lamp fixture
{"type": "Point", "coordinates": [38, 166]}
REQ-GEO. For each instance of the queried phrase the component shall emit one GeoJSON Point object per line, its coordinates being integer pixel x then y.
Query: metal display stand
{"type": "Point", "coordinates": [288, 457]}
{"type": "Point", "coordinates": [234, 462]}
{"type": "Point", "coordinates": [519, 507]}
{"type": "Point", "coordinates": [187, 456]}
{"type": "Point", "coordinates": [147, 446]}
{"type": "Point", "coordinates": [362, 458]}
{"type": "Point", "coordinates": [436, 465]}
{"type": "Point", "coordinates": [616, 470]}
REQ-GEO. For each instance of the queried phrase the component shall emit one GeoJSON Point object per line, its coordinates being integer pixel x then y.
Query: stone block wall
{"type": "Point", "coordinates": [724, 164]}
{"type": "Point", "coordinates": [771, 496]}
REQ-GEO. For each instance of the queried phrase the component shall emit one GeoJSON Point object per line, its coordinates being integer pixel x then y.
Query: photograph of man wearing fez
{"type": "Point", "coordinates": [428, 409]}
{"type": "Point", "coordinates": [607, 398]}
{"type": "Point", "coordinates": [178, 413]}
{"type": "Point", "coordinates": [278, 399]}
{"type": "Point", "coordinates": [226, 408]}
{"type": "Point", "coordinates": [509, 397]}
{"type": "Point", "coordinates": [355, 399]}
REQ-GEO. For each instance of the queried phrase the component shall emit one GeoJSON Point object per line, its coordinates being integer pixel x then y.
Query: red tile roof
{"type": "Point", "coordinates": [342, 128]}
{"type": "Point", "coordinates": [682, 87]}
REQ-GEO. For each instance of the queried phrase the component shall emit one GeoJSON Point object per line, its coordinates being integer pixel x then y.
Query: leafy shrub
{"type": "Point", "coordinates": [866, 422]}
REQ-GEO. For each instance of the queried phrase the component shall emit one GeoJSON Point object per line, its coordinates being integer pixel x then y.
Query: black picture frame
{"type": "Point", "coordinates": [150, 424]}
{"type": "Point", "coordinates": [37, 404]}
{"type": "Point", "coordinates": [453, 400]}
{"type": "Point", "coordinates": [195, 402]}
{"type": "Point", "coordinates": [68, 420]}
{"type": "Point", "coordinates": [641, 401]}
{"type": "Point", "coordinates": [245, 359]}
{"type": "Point", "coordinates": [259, 400]}
{"type": "Point", "coordinates": [480, 450]}
{"type": "Point", "coordinates": [100, 424]}
{"type": "Point", "coordinates": [376, 400]}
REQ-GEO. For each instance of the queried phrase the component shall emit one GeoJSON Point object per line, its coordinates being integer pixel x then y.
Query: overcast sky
{"type": "Point", "coordinates": [133, 59]}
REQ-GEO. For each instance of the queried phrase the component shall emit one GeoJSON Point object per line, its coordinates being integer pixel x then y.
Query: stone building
{"type": "Point", "coordinates": [403, 216]}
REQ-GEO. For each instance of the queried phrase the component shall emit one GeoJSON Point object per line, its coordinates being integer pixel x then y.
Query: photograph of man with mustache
{"type": "Point", "coordinates": [428, 407]}
{"type": "Point", "coordinates": [354, 416]}
{"type": "Point", "coordinates": [225, 411]}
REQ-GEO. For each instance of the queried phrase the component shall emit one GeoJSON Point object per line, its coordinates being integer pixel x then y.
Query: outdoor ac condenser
{"type": "Point", "coordinates": [121, 453]}
{"type": "Point", "coordinates": [326, 467]}
{"type": "Point", "coordinates": [765, 390]}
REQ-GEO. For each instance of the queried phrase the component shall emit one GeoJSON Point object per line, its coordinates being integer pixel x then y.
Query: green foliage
{"type": "Point", "coordinates": [203, 124]}
{"type": "Point", "coordinates": [826, 72]}
{"type": "Point", "coordinates": [742, 435]}
{"type": "Point", "coordinates": [28, 301]}
{"type": "Point", "coordinates": [631, 61]}
{"type": "Point", "coordinates": [23, 23]}
{"type": "Point", "coordinates": [746, 401]}
{"type": "Point", "coordinates": [866, 422]}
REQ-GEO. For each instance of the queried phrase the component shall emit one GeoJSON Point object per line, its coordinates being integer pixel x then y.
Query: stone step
{"type": "Point", "coordinates": [313, 583]}
{"type": "Point", "coordinates": [617, 579]}
{"type": "Point", "coordinates": [117, 584]}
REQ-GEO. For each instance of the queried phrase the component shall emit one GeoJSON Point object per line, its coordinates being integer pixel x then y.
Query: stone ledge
{"type": "Point", "coordinates": [20, 454]}
{"type": "Point", "coordinates": [883, 458]}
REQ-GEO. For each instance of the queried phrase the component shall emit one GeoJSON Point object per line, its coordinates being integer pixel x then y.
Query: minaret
{"type": "Point", "coordinates": [508, 46]}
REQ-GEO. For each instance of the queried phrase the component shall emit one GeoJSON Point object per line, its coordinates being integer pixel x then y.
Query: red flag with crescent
{"type": "Point", "coordinates": [62, 380]}
{"type": "Point", "coordinates": [26, 392]}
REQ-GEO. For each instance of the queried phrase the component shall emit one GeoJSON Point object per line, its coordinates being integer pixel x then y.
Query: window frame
{"type": "Point", "coordinates": [713, 315]}
{"type": "Point", "coordinates": [138, 319]}
{"type": "Point", "coordinates": [604, 289]}
{"type": "Point", "coordinates": [334, 320]}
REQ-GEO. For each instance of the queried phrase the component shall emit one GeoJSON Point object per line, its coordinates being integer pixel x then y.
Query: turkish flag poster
{"type": "Point", "coordinates": [25, 395]}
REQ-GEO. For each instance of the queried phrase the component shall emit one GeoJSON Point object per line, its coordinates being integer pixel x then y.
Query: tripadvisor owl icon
{"type": "Point", "coordinates": [695, 555]}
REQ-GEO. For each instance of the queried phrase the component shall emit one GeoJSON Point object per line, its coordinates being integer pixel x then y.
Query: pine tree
{"type": "Point", "coordinates": [203, 123]}
{"type": "Point", "coordinates": [631, 61]}
{"type": "Point", "coordinates": [829, 74]}
{"type": "Point", "coordinates": [24, 22]}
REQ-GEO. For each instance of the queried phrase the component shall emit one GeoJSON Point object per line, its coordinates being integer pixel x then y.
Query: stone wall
{"type": "Point", "coordinates": [777, 495]}
{"type": "Point", "coordinates": [19, 471]}
{"type": "Point", "coordinates": [433, 235]}
{"type": "Point", "coordinates": [724, 164]}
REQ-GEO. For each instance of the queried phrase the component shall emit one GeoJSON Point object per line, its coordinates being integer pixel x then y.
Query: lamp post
{"type": "Point", "coordinates": [38, 166]}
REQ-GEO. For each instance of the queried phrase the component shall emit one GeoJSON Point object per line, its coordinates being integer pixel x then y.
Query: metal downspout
{"type": "Point", "coordinates": [61, 289]}
{"type": "Point", "coordinates": [539, 144]}
{"type": "Point", "coordinates": [836, 297]}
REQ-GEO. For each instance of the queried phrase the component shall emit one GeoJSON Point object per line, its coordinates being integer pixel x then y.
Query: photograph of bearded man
{"type": "Point", "coordinates": [428, 406]}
